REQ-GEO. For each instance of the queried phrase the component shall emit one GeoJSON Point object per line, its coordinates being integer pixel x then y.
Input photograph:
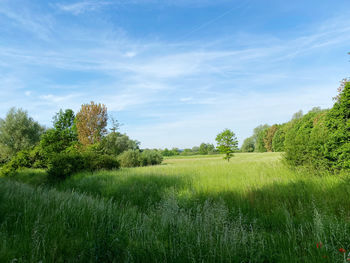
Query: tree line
{"type": "Point", "coordinates": [74, 143]}
{"type": "Point", "coordinates": [318, 140]}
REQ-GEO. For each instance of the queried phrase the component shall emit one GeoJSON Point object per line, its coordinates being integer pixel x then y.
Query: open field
{"type": "Point", "coordinates": [204, 209]}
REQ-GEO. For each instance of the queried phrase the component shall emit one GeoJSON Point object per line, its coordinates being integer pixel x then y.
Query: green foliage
{"type": "Point", "coordinates": [260, 143]}
{"type": "Point", "coordinates": [227, 143]}
{"type": "Point", "coordinates": [20, 160]}
{"type": "Point", "coordinates": [115, 143]}
{"type": "Point", "coordinates": [130, 158]}
{"type": "Point", "coordinates": [62, 165]}
{"type": "Point", "coordinates": [62, 136]}
{"type": "Point", "coordinates": [337, 121]}
{"type": "Point", "coordinates": [305, 139]}
{"type": "Point", "coordinates": [258, 137]}
{"type": "Point", "coordinates": [24, 159]}
{"type": "Point", "coordinates": [206, 148]}
{"type": "Point", "coordinates": [270, 133]}
{"type": "Point", "coordinates": [18, 132]}
{"type": "Point", "coordinates": [278, 140]}
{"type": "Point", "coordinates": [150, 157]}
{"type": "Point", "coordinates": [248, 145]}
{"type": "Point", "coordinates": [172, 152]}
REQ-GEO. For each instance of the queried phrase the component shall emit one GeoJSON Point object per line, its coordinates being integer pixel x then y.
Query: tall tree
{"type": "Point", "coordinates": [62, 135]}
{"type": "Point", "coordinates": [227, 143]}
{"type": "Point", "coordinates": [270, 133]}
{"type": "Point", "coordinates": [91, 123]}
{"type": "Point", "coordinates": [18, 132]}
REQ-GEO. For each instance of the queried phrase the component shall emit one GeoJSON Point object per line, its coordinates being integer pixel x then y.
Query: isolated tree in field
{"type": "Point", "coordinates": [91, 123]}
{"type": "Point", "coordinates": [227, 143]}
{"type": "Point", "coordinates": [18, 132]}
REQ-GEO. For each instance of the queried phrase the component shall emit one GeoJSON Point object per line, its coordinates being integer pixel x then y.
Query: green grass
{"type": "Point", "coordinates": [204, 209]}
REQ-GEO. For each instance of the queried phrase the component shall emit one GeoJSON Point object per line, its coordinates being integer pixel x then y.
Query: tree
{"type": "Point", "coordinates": [115, 143]}
{"type": "Point", "coordinates": [338, 123]}
{"type": "Point", "coordinates": [18, 132]}
{"type": "Point", "coordinates": [227, 143]}
{"type": "Point", "coordinates": [203, 148]}
{"type": "Point", "coordinates": [91, 123]}
{"type": "Point", "coordinates": [269, 137]}
{"type": "Point", "coordinates": [62, 135]}
{"type": "Point", "coordinates": [278, 139]}
{"type": "Point", "coordinates": [259, 143]}
{"type": "Point", "coordinates": [248, 145]}
{"type": "Point", "coordinates": [258, 137]}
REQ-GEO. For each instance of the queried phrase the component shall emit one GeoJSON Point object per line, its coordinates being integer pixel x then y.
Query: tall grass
{"type": "Point", "coordinates": [252, 209]}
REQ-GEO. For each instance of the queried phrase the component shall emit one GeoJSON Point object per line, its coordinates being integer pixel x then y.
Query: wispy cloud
{"type": "Point", "coordinates": [82, 6]}
{"type": "Point", "coordinates": [186, 86]}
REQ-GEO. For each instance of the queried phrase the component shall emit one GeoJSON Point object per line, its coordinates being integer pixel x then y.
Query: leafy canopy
{"type": "Point", "coordinates": [18, 132]}
{"type": "Point", "coordinates": [227, 143]}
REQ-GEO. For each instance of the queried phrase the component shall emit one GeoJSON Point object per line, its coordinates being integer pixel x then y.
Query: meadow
{"type": "Point", "coordinates": [188, 209]}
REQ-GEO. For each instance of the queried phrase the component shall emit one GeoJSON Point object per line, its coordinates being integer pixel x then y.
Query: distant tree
{"type": "Point", "coordinates": [195, 149]}
{"type": "Point", "coordinates": [91, 123]}
{"type": "Point", "coordinates": [115, 143]}
{"type": "Point", "coordinates": [211, 148]}
{"type": "Point", "coordinates": [258, 138]}
{"type": "Point", "coordinates": [248, 145]}
{"type": "Point", "coordinates": [298, 115]}
{"type": "Point", "coordinates": [270, 133]}
{"type": "Point", "coordinates": [203, 148]}
{"type": "Point", "coordinates": [227, 143]}
{"type": "Point", "coordinates": [172, 152]}
{"type": "Point", "coordinates": [259, 143]}
{"type": "Point", "coordinates": [18, 132]}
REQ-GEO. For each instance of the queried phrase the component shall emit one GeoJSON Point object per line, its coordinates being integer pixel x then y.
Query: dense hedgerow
{"type": "Point", "coordinates": [63, 165]}
{"type": "Point", "coordinates": [318, 140]}
{"type": "Point", "coordinates": [135, 158]}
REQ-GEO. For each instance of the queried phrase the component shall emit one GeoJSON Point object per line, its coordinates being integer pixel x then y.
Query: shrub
{"type": "Point", "coordinates": [305, 139]}
{"type": "Point", "coordinates": [101, 161]}
{"type": "Point", "coordinates": [130, 158]}
{"type": "Point", "coordinates": [20, 160]}
{"type": "Point", "coordinates": [150, 157]}
{"type": "Point", "coordinates": [62, 165]}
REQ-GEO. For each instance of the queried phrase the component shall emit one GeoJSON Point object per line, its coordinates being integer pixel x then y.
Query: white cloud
{"type": "Point", "coordinates": [82, 7]}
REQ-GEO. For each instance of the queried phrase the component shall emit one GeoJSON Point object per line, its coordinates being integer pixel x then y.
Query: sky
{"type": "Point", "coordinates": [174, 73]}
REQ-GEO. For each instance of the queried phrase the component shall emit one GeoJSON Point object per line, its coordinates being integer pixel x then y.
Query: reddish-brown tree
{"type": "Point", "coordinates": [269, 136]}
{"type": "Point", "coordinates": [91, 123]}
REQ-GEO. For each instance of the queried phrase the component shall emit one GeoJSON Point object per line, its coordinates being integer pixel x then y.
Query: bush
{"type": "Point", "coordinates": [97, 162]}
{"type": "Point", "coordinates": [62, 165]}
{"type": "Point", "coordinates": [130, 158]}
{"type": "Point", "coordinates": [20, 160]}
{"type": "Point", "coordinates": [305, 139]}
{"type": "Point", "coordinates": [150, 157]}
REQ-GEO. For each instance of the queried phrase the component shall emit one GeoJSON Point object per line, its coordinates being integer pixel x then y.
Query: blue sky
{"type": "Point", "coordinates": [175, 73]}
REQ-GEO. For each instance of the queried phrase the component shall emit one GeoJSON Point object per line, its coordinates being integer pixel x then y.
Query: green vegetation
{"type": "Point", "coordinates": [227, 143]}
{"type": "Point", "coordinates": [252, 209]}
{"type": "Point", "coordinates": [318, 141]}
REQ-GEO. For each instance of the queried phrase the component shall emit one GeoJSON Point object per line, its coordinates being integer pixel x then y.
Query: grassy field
{"type": "Point", "coordinates": [202, 209]}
